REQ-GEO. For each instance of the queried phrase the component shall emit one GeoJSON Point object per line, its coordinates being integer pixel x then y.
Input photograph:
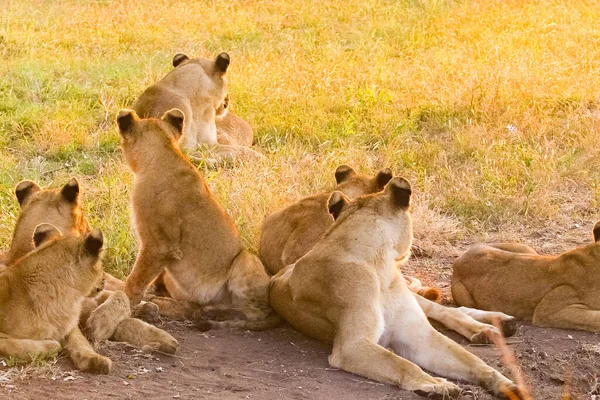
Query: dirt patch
{"type": "Point", "coordinates": [284, 364]}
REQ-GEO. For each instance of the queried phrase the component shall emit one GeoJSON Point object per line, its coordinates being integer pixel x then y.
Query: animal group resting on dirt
{"type": "Point", "coordinates": [333, 261]}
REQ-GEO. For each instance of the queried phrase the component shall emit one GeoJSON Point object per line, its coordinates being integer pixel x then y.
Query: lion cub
{"type": "Point", "coordinates": [198, 87]}
{"type": "Point", "coordinates": [41, 297]}
{"type": "Point", "coordinates": [559, 291]}
{"type": "Point", "coordinates": [185, 232]}
{"type": "Point", "coordinates": [110, 311]}
{"type": "Point", "coordinates": [349, 291]}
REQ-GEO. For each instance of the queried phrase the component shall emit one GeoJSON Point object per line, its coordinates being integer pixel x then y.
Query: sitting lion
{"type": "Point", "coordinates": [62, 209]}
{"type": "Point", "coordinates": [555, 291]}
{"type": "Point", "coordinates": [41, 296]}
{"type": "Point", "coordinates": [348, 290]}
{"type": "Point", "coordinates": [198, 87]}
{"type": "Point", "coordinates": [185, 232]}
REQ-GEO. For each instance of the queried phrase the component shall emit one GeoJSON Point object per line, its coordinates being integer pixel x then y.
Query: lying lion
{"type": "Point", "coordinates": [41, 296]}
{"type": "Point", "coordinates": [184, 232]}
{"type": "Point", "coordinates": [289, 234]}
{"type": "Point", "coordinates": [111, 315]}
{"type": "Point", "coordinates": [348, 290]}
{"type": "Point", "coordinates": [554, 291]}
{"type": "Point", "coordinates": [198, 87]}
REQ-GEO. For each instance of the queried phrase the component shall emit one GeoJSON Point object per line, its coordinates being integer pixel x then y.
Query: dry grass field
{"type": "Point", "coordinates": [491, 109]}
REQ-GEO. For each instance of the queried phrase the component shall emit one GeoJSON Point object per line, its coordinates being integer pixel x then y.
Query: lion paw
{"type": "Point", "coordinates": [147, 311]}
{"type": "Point", "coordinates": [486, 335]}
{"type": "Point", "coordinates": [95, 364]}
{"type": "Point", "coordinates": [508, 325]}
{"type": "Point", "coordinates": [441, 389]}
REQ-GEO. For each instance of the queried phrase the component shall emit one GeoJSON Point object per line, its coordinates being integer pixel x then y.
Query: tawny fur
{"type": "Point", "coordinates": [348, 290]}
{"type": "Point", "coordinates": [41, 296]}
{"type": "Point", "coordinates": [559, 291]}
{"type": "Point", "coordinates": [109, 318]}
{"type": "Point", "coordinates": [184, 232]}
{"type": "Point", "coordinates": [198, 87]}
{"type": "Point", "coordinates": [63, 209]}
{"type": "Point", "coordinates": [289, 234]}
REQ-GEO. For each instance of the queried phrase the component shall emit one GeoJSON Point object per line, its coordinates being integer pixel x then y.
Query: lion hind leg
{"type": "Point", "coordinates": [249, 288]}
{"type": "Point", "coordinates": [556, 309]}
{"type": "Point", "coordinates": [83, 355]}
{"type": "Point", "coordinates": [145, 336]}
{"type": "Point", "coordinates": [103, 321]}
{"type": "Point", "coordinates": [28, 349]}
{"type": "Point", "coordinates": [460, 322]}
{"type": "Point", "coordinates": [507, 323]}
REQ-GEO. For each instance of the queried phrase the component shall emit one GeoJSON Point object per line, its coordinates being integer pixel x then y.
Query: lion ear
{"type": "Point", "coordinates": [43, 233]}
{"type": "Point", "coordinates": [596, 231]}
{"type": "Point", "coordinates": [126, 120]}
{"type": "Point", "coordinates": [400, 191]}
{"type": "Point", "coordinates": [94, 241]}
{"type": "Point", "coordinates": [179, 58]}
{"type": "Point", "coordinates": [383, 177]}
{"type": "Point", "coordinates": [176, 119]}
{"type": "Point", "coordinates": [336, 203]}
{"type": "Point", "coordinates": [70, 192]}
{"type": "Point", "coordinates": [24, 190]}
{"type": "Point", "coordinates": [222, 63]}
{"type": "Point", "coordinates": [343, 172]}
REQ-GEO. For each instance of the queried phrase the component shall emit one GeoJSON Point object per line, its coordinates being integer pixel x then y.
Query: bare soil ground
{"type": "Point", "coordinates": [284, 364]}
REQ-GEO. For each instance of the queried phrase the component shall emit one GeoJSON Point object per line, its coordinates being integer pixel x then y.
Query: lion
{"type": "Point", "coordinates": [185, 232]}
{"type": "Point", "coordinates": [63, 210]}
{"type": "Point", "coordinates": [41, 296]}
{"type": "Point", "coordinates": [559, 291]}
{"type": "Point", "coordinates": [348, 291]}
{"type": "Point", "coordinates": [198, 87]}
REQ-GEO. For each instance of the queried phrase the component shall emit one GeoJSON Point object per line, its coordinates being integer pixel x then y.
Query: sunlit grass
{"type": "Point", "coordinates": [490, 108]}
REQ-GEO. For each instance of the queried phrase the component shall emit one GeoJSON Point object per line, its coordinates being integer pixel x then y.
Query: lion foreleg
{"type": "Point", "coordinates": [83, 355]}
{"type": "Point", "coordinates": [27, 349]}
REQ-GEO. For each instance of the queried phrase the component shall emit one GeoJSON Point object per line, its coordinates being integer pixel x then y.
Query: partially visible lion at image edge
{"type": "Point", "coordinates": [35, 324]}
{"type": "Point", "coordinates": [559, 291]}
{"type": "Point", "coordinates": [199, 88]}
{"type": "Point", "coordinates": [104, 315]}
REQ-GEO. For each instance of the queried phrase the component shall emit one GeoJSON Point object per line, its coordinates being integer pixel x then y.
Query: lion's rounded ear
{"type": "Point", "coordinates": [343, 172]}
{"type": "Point", "coordinates": [44, 233]}
{"type": "Point", "coordinates": [336, 203]}
{"type": "Point", "coordinates": [126, 120]}
{"type": "Point", "coordinates": [94, 241]}
{"type": "Point", "coordinates": [70, 192]}
{"type": "Point", "coordinates": [179, 58]}
{"type": "Point", "coordinates": [596, 231]}
{"type": "Point", "coordinates": [400, 192]}
{"type": "Point", "coordinates": [383, 177]}
{"type": "Point", "coordinates": [222, 62]}
{"type": "Point", "coordinates": [176, 119]}
{"type": "Point", "coordinates": [24, 190]}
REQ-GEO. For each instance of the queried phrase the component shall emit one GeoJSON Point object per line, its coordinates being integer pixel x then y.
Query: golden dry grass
{"type": "Point", "coordinates": [489, 108]}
